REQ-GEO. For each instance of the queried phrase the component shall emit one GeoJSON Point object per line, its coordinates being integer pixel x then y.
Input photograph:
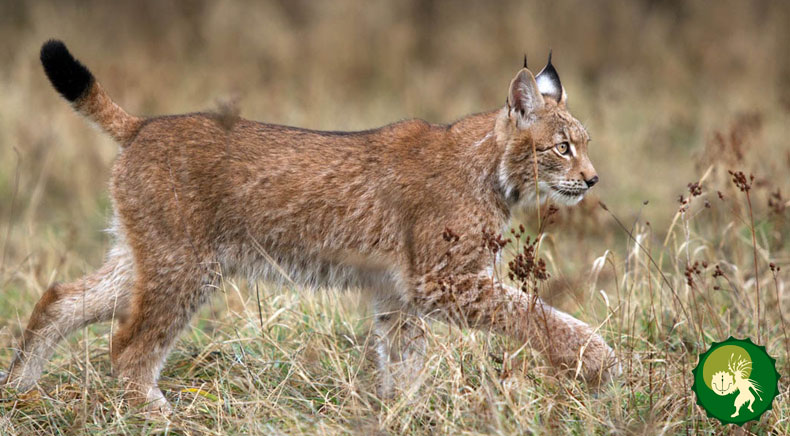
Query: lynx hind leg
{"type": "Point", "coordinates": [166, 295]}
{"type": "Point", "coordinates": [63, 308]}
{"type": "Point", "coordinates": [400, 348]}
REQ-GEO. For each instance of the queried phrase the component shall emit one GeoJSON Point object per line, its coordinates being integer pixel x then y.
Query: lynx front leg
{"type": "Point", "coordinates": [477, 301]}
{"type": "Point", "coordinates": [400, 346]}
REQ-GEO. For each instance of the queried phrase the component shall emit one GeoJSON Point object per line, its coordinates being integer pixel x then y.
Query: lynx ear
{"type": "Point", "coordinates": [549, 83]}
{"type": "Point", "coordinates": [524, 97]}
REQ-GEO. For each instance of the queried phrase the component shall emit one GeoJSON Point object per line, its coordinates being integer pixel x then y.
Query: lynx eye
{"type": "Point", "coordinates": [563, 148]}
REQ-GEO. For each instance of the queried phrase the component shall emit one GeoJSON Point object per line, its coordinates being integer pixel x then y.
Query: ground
{"type": "Point", "coordinates": [673, 93]}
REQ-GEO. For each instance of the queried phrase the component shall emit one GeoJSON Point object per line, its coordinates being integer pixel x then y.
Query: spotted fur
{"type": "Point", "coordinates": [198, 196]}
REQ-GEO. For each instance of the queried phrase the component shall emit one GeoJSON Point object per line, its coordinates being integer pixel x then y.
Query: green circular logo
{"type": "Point", "coordinates": [736, 381]}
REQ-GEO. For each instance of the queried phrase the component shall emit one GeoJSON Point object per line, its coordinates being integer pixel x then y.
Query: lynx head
{"type": "Point", "coordinates": [537, 132]}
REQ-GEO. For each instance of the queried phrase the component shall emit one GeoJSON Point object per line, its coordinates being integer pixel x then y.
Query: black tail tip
{"type": "Point", "coordinates": [69, 77]}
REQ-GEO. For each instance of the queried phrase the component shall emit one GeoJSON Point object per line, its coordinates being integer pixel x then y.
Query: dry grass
{"type": "Point", "coordinates": [672, 93]}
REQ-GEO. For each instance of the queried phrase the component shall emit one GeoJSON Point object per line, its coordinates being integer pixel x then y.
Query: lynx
{"type": "Point", "coordinates": [204, 195]}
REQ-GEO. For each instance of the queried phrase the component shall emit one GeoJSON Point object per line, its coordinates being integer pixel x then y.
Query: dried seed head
{"type": "Point", "coordinates": [777, 203]}
{"type": "Point", "coordinates": [695, 189]}
{"type": "Point", "coordinates": [740, 181]}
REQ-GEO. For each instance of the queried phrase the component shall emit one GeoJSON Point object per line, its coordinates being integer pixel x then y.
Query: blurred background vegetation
{"type": "Point", "coordinates": [653, 81]}
{"type": "Point", "coordinates": [668, 90]}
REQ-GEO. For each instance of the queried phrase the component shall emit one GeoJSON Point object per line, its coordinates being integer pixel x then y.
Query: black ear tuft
{"type": "Point", "coordinates": [525, 60]}
{"type": "Point", "coordinates": [69, 77]}
{"type": "Point", "coordinates": [549, 81]}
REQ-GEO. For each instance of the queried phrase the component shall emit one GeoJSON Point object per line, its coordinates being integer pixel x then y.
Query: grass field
{"type": "Point", "coordinates": [672, 93]}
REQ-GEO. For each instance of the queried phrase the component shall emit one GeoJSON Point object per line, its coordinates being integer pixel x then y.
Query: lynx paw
{"type": "Point", "coordinates": [599, 364]}
{"type": "Point", "coordinates": [19, 382]}
{"type": "Point", "coordinates": [152, 404]}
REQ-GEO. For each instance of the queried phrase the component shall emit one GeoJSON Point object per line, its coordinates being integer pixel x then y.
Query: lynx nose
{"type": "Point", "coordinates": [591, 182]}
